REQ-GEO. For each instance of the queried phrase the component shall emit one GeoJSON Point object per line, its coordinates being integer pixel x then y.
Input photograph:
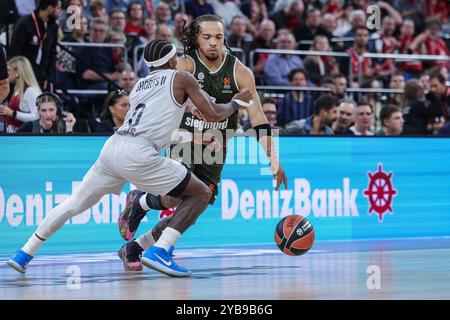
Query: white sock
{"type": "Point", "coordinates": [143, 202]}
{"type": "Point", "coordinates": [168, 238]}
{"type": "Point", "coordinates": [32, 246]}
{"type": "Point", "coordinates": [146, 240]}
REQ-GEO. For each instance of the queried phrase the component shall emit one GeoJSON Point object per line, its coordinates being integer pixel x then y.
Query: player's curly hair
{"type": "Point", "coordinates": [189, 33]}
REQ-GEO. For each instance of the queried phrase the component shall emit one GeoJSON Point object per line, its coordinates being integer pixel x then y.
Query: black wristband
{"type": "Point", "coordinates": [263, 130]}
{"type": "Point", "coordinates": [14, 114]}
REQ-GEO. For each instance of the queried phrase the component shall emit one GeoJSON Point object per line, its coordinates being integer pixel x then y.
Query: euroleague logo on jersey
{"type": "Point", "coordinates": [380, 192]}
{"type": "Point", "coordinates": [226, 85]}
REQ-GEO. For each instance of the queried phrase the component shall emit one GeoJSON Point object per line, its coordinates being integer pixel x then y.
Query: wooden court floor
{"type": "Point", "coordinates": [388, 269]}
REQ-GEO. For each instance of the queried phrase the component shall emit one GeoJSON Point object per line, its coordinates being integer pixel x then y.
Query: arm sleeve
{"type": "Point", "coordinates": [29, 102]}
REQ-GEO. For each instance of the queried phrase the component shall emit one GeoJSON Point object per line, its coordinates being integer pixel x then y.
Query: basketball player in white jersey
{"type": "Point", "coordinates": [133, 154]}
{"type": "Point", "coordinates": [203, 40]}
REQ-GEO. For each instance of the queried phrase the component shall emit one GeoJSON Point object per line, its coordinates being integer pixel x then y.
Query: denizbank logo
{"type": "Point", "coordinates": [339, 202]}
{"type": "Point", "coordinates": [380, 192]}
{"type": "Point", "coordinates": [303, 200]}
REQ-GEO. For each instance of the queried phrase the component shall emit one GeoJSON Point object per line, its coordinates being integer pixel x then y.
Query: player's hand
{"type": "Point", "coordinates": [196, 112]}
{"type": "Point", "coordinates": [70, 122]}
{"type": "Point", "coordinates": [243, 98]}
{"type": "Point", "coordinates": [279, 175]}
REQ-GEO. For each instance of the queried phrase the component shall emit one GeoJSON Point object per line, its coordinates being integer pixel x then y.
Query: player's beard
{"type": "Point", "coordinates": [213, 57]}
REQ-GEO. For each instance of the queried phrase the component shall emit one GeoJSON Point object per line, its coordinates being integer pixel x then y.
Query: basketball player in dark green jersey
{"type": "Point", "coordinates": [221, 75]}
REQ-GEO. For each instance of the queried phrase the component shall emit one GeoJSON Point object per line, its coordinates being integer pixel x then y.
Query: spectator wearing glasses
{"type": "Point", "coordinates": [115, 109]}
{"type": "Point", "coordinates": [270, 110]}
{"type": "Point", "coordinates": [97, 60]}
{"type": "Point", "coordinates": [117, 20]}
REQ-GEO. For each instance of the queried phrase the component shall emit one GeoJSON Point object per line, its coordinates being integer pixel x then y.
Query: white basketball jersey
{"type": "Point", "coordinates": [154, 113]}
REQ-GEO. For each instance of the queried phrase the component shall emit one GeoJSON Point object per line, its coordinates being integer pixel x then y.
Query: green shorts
{"type": "Point", "coordinates": [210, 174]}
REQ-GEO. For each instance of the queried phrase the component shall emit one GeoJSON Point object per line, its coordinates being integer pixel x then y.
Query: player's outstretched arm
{"type": "Point", "coordinates": [246, 82]}
{"type": "Point", "coordinates": [211, 111]}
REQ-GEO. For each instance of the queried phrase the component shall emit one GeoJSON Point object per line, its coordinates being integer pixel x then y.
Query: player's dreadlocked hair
{"type": "Point", "coordinates": [188, 34]}
{"type": "Point", "coordinates": [157, 49]}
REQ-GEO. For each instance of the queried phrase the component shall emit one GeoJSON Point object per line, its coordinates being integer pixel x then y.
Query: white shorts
{"type": "Point", "coordinates": [125, 158]}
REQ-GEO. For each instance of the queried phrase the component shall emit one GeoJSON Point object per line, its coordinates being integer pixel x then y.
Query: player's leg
{"type": "Point", "coordinates": [131, 252]}
{"type": "Point", "coordinates": [196, 198]}
{"type": "Point", "coordinates": [92, 188]}
{"type": "Point", "coordinates": [137, 205]}
{"type": "Point", "coordinates": [139, 202]}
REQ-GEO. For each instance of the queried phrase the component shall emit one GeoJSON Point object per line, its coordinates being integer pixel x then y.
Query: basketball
{"type": "Point", "coordinates": [294, 235]}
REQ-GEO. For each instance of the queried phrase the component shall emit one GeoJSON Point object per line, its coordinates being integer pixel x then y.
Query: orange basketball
{"type": "Point", "coordinates": [294, 235]}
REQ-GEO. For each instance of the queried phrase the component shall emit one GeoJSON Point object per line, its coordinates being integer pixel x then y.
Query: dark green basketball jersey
{"type": "Point", "coordinates": [221, 85]}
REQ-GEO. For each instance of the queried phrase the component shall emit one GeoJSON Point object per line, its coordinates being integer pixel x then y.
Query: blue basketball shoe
{"type": "Point", "coordinates": [161, 260]}
{"type": "Point", "coordinates": [20, 261]}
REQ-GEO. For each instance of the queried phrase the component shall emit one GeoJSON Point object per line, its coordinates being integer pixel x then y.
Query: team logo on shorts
{"type": "Point", "coordinates": [380, 192]}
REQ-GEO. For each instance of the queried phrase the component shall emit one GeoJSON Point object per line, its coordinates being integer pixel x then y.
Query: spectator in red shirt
{"type": "Point", "coordinates": [359, 47]}
{"type": "Point", "coordinates": [320, 66]}
{"type": "Point", "coordinates": [429, 42]}
{"type": "Point", "coordinates": [256, 12]}
{"type": "Point", "coordinates": [290, 17]}
{"type": "Point", "coordinates": [135, 14]}
{"type": "Point", "coordinates": [437, 9]}
{"type": "Point", "coordinates": [386, 44]}
{"type": "Point", "coordinates": [405, 39]}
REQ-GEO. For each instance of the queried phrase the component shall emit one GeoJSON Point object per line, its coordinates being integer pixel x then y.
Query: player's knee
{"type": "Point", "coordinates": [205, 194]}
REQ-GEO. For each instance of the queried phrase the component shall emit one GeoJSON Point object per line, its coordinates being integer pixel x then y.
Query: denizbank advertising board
{"type": "Point", "coordinates": [348, 187]}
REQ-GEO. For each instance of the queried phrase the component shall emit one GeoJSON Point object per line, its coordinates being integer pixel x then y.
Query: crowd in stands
{"type": "Point", "coordinates": [96, 45]}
